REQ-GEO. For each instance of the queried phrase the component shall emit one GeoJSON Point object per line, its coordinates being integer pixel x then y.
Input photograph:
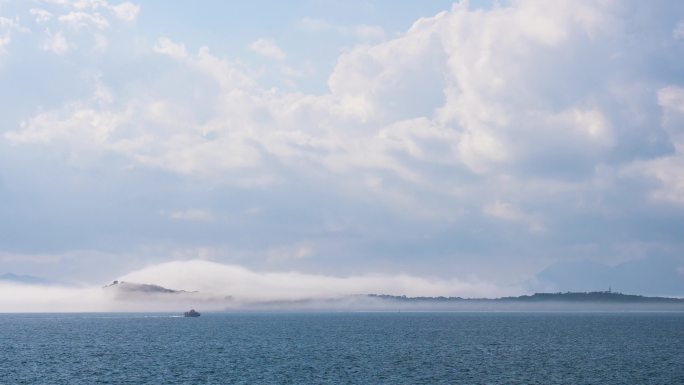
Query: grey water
{"type": "Point", "coordinates": [343, 348]}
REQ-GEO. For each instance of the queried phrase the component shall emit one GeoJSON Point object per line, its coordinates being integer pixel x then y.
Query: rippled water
{"type": "Point", "coordinates": [363, 348]}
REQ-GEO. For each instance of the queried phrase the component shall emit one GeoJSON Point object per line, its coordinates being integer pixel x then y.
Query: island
{"type": "Point", "coordinates": [571, 297]}
{"type": "Point", "coordinates": [570, 301]}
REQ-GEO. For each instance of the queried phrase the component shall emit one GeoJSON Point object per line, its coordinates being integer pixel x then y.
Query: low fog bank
{"type": "Point", "coordinates": [18, 297]}
{"type": "Point", "coordinates": [25, 298]}
{"type": "Point", "coordinates": [211, 286]}
{"type": "Point", "coordinates": [512, 304]}
{"type": "Point", "coordinates": [208, 286]}
{"type": "Point", "coordinates": [247, 285]}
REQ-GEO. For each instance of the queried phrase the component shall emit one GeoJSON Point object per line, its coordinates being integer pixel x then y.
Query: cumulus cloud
{"type": "Point", "coordinates": [126, 11]}
{"type": "Point", "coordinates": [267, 47]}
{"type": "Point", "coordinates": [81, 18]}
{"type": "Point", "coordinates": [442, 88]}
{"type": "Point", "coordinates": [541, 116]}
{"type": "Point", "coordinates": [51, 127]}
{"type": "Point", "coordinates": [442, 85]}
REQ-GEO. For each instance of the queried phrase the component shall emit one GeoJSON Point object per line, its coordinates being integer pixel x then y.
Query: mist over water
{"type": "Point", "coordinates": [216, 286]}
{"type": "Point", "coordinates": [210, 286]}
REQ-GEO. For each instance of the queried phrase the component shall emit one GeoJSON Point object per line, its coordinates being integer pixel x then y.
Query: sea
{"type": "Point", "coordinates": [343, 348]}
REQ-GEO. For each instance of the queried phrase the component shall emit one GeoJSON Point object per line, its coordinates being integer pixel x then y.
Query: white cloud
{"type": "Point", "coordinates": [441, 73]}
{"type": "Point", "coordinates": [590, 124]}
{"type": "Point", "coordinates": [96, 126]}
{"type": "Point", "coordinates": [80, 4]}
{"type": "Point", "coordinates": [78, 20]}
{"type": "Point", "coordinates": [167, 47]}
{"type": "Point", "coordinates": [267, 47]}
{"type": "Point", "coordinates": [443, 94]}
{"type": "Point", "coordinates": [82, 18]}
{"type": "Point", "coordinates": [668, 170]}
{"type": "Point", "coordinates": [56, 43]}
{"type": "Point", "coordinates": [6, 27]}
{"type": "Point", "coordinates": [41, 15]}
{"type": "Point", "coordinates": [81, 126]}
{"type": "Point", "coordinates": [126, 11]}
{"type": "Point", "coordinates": [428, 127]}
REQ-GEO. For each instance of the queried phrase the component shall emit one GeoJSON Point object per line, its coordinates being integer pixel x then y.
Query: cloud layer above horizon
{"type": "Point", "coordinates": [476, 142]}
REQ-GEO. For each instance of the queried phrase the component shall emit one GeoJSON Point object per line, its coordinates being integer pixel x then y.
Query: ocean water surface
{"type": "Point", "coordinates": [343, 348]}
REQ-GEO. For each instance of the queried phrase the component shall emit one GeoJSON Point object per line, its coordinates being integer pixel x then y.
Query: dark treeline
{"type": "Point", "coordinates": [595, 296]}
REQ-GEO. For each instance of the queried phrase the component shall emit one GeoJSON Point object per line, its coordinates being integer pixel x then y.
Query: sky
{"type": "Point", "coordinates": [478, 148]}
